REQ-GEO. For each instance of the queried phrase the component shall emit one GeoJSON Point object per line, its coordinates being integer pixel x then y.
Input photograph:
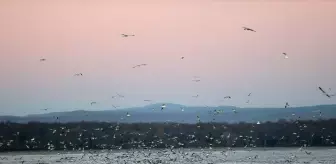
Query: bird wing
{"type": "Point", "coordinates": [322, 90]}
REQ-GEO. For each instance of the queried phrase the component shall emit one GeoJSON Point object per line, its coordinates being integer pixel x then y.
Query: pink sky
{"type": "Point", "coordinates": [84, 36]}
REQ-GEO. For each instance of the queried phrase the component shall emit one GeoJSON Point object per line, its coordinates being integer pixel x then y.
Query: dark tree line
{"type": "Point", "coordinates": [94, 135]}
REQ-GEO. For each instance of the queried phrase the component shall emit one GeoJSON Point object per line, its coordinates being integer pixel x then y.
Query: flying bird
{"type": "Point", "coordinates": [285, 55]}
{"type": "Point", "coordinates": [93, 103]}
{"type": "Point", "coordinates": [163, 106]}
{"type": "Point", "coordinates": [139, 65]}
{"type": "Point", "coordinates": [227, 97]}
{"type": "Point", "coordinates": [325, 93]}
{"type": "Point", "coordinates": [115, 106]}
{"type": "Point", "coordinates": [120, 95]}
{"type": "Point", "coordinates": [308, 153]}
{"type": "Point", "coordinates": [195, 96]}
{"type": "Point", "coordinates": [248, 29]}
{"type": "Point", "coordinates": [234, 111]}
{"type": "Point", "coordinates": [182, 57]}
{"type": "Point", "coordinates": [147, 100]}
{"type": "Point", "coordinates": [249, 94]}
{"type": "Point", "coordinates": [45, 109]}
{"type": "Point", "coordinates": [196, 80]}
{"type": "Point", "coordinates": [78, 74]}
{"type": "Point", "coordinates": [287, 105]}
{"type": "Point", "coordinates": [126, 35]}
{"type": "Point", "coordinates": [43, 59]}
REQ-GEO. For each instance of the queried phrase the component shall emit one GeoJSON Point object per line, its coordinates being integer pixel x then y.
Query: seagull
{"type": "Point", "coordinates": [78, 74]}
{"type": "Point", "coordinates": [234, 111]}
{"type": "Point", "coordinates": [248, 29]}
{"type": "Point", "coordinates": [126, 35]}
{"type": "Point", "coordinates": [182, 57]}
{"type": "Point", "coordinates": [249, 94]}
{"type": "Point", "coordinates": [43, 59]}
{"type": "Point", "coordinates": [93, 103]}
{"type": "Point", "coordinates": [45, 109]}
{"type": "Point", "coordinates": [198, 118]}
{"type": "Point", "coordinates": [163, 106]}
{"type": "Point", "coordinates": [227, 97]}
{"type": "Point", "coordinates": [120, 95]}
{"type": "Point", "coordinates": [286, 57]}
{"type": "Point", "coordinates": [248, 101]}
{"type": "Point", "coordinates": [139, 65]}
{"type": "Point", "coordinates": [195, 96]}
{"type": "Point", "coordinates": [114, 106]}
{"type": "Point", "coordinates": [325, 93]}
{"type": "Point", "coordinates": [197, 80]}
{"type": "Point", "coordinates": [147, 100]}
{"type": "Point", "coordinates": [287, 105]}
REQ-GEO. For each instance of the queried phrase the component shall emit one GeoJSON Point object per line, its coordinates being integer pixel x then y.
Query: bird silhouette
{"type": "Point", "coordinates": [287, 105]}
{"type": "Point", "coordinates": [126, 35]}
{"type": "Point", "coordinates": [325, 93]}
{"type": "Point", "coordinates": [120, 95]}
{"type": "Point", "coordinates": [248, 29]}
{"type": "Point", "coordinates": [139, 65]}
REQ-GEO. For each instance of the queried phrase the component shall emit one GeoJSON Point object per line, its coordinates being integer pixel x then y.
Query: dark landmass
{"type": "Point", "coordinates": [103, 135]}
{"type": "Point", "coordinates": [174, 113]}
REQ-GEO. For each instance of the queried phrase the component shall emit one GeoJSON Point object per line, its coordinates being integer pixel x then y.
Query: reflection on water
{"type": "Point", "coordinates": [177, 156]}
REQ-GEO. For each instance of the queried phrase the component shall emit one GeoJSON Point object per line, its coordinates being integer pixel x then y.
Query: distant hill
{"type": "Point", "coordinates": [174, 113]}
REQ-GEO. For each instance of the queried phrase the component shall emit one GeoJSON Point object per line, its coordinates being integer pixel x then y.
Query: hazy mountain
{"type": "Point", "coordinates": [180, 113]}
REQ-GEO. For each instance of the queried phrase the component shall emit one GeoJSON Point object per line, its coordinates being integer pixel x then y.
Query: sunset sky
{"type": "Point", "coordinates": [84, 36]}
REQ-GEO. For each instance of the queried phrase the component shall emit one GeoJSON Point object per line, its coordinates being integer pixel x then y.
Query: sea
{"type": "Point", "coordinates": [177, 156]}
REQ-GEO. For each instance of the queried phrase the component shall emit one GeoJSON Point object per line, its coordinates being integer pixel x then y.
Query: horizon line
{"type": "Point", "coordinates": [185, 106]}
